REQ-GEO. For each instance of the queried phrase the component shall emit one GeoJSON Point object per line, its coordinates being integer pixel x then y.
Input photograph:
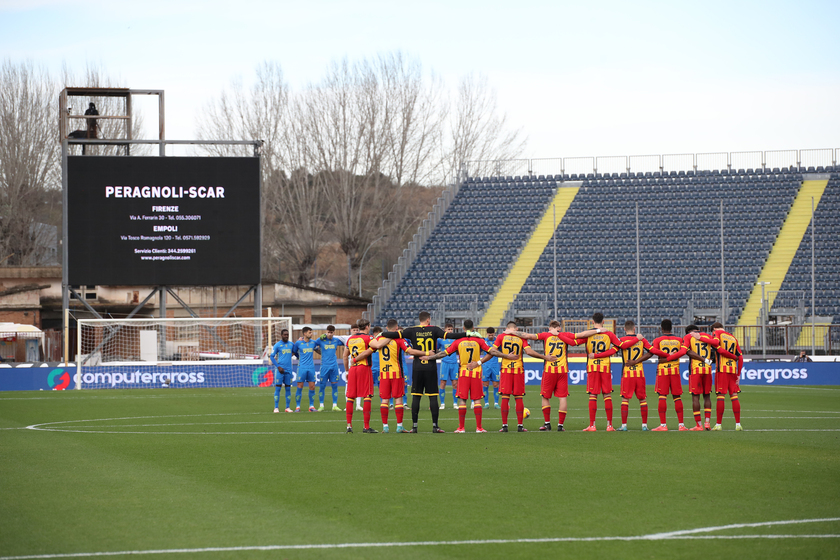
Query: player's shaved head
{"type": "Point", "coordinates": [392, 324]}
{"type": "Point", "coordinates": [666, 325]}
{"type": "Point", "coordinates": [468, 324]}
{"type": "Point", "coordinates": [629, 324]}
{"type": "Point", "coordinates": [691, 328]}
{"type": "Point", "coordinates": [511, 323]}
{"type": "Point", "coordinates": [717, 325]}
{"type": "Point", "coordinates": [598, 318]}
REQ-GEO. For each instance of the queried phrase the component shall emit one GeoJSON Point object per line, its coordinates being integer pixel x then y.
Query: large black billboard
{"type": "Point", "coordinates": [182, 221]}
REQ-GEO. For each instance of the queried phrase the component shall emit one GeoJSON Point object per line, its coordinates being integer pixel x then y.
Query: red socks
{"type": "Point", "coordinates": [644, 407]}
{"type": "Point", "coordinates": [593, 408]}
{"type": "Point", "coordinates": [721, 406]}
{"type": "Point", "coordinates": [697, 417]}
{"type": "Point", "coordinates": [462, 416]}
{"type": "Point", "coordinates": [546, 414]}
{"type": "Point", "coordinates": [678, 404]}
{"type": "Point", "coordinates": [520, 410]}
{"type": "Point", "coordinates": [366, 413]}
{"type": "Point", "coordinates": [383, 411]}
{"type": "Point", "coordinates": [478, 413]}
{"type": "Point", "coordinates": [625, 411]}
{"type": "Point", "coordinates": [505, 409]}
{"type": "Point", "coordinates": [708, 413]}
{"type": "Point", "coordinates": [399, 409]}
{"type": "Point", "coordinates": [736, 408]}
{"type": "Point", "coordinates": [561, 417]}
{"type": "Point", "coordinates": [663, 407]}
{"type": "Point", "coordinates": [608, 408]}
{"type": "Point", "coordinates": [351, 404]}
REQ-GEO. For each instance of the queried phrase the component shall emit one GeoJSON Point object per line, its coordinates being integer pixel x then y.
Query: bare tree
{"type": "Point", "coordinates": [477, 132]}
{"type": "Point", "coordinates": [338, 154]}
{"type": "Point", "coordinates": [29, 154]}
{"type": "Point", "coordinates": [294, 223]}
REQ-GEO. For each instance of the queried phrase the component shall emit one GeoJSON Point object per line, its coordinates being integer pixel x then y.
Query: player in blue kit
{"type": "Point", "coordinates": [328, 346]}
{"type": "Point", "coordinates": [283, 351]}
{"type": "Point", "coordinates": [305, 351]}
{"type": "Point", "coordinates": [448, 368]}
{"type": "Point", "coordinates": [490, 372]}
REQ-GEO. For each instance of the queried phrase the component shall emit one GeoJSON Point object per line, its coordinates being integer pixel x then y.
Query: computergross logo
{"type": "Point", "coordinates": [58, 379]}
{"type": "Point", "coordinates": [263, 377]}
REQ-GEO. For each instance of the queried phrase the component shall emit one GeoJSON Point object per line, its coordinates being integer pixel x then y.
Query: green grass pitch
{"type": "Point", "coordinates": [184, 471]}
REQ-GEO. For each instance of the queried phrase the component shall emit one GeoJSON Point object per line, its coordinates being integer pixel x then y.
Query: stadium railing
{"type": "Point", "coordinates": [800, 160]}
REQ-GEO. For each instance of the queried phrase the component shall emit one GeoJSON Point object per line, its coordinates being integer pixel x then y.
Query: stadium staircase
{"type": "Point", "coordinates": [827, 261]}
{"type": "Point", "coordinates": [529, 256]}
{"type": "Point", "coordinates": [474, 245]}
{"type": "Point", "coordinates": [781, 256]}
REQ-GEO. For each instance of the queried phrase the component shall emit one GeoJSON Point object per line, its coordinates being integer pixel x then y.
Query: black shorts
{"type": "Point", "coordinates": [424, 380]}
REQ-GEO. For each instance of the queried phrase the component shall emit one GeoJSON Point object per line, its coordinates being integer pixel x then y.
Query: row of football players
{"type": "Point", "coordinates": [719, 348]}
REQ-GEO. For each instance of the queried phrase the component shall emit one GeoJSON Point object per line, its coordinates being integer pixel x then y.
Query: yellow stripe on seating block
{"type": "Point", "coordinates": [784, 249]}
{"type": "Point", "coordinates": [529, 257]}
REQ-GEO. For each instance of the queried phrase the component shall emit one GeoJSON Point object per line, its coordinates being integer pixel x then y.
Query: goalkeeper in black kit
{"type": "Point", "coordinates": [424, 337]}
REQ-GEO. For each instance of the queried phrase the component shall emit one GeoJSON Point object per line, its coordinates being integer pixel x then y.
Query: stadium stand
{"type": "Point", "coordinates": [490, 221]}
{"type": "Point", "coordinates": [827, 261]}
{"type": "Point", "coordinates": [472, 248]}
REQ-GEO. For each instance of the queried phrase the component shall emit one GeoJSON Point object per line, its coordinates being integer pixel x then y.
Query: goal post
{"type": "Point", "coordinates": [179, 352]}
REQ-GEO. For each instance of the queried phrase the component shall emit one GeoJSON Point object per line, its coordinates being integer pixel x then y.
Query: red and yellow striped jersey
{"type": "Point", "coordinates": [511, 344]}
{"type": "Point", "coordinates": [702, 348]}
{"type": "Point", "coordinates": [727, 344]}
{"type": "Point", "coordinates": [469, 350]}
{"type": "Point", "coordinates": [390, 359]}
{"type": "Point", "coordinates": [666, 346]}
{"type": "Point", "coordinates": [357, 344]}
{"type": "Point", "coordinates": [558, 345]}
{"type": "Point", "coordinates": [596, 344]}
{"type": "Point", "coordinates": [632, 348]}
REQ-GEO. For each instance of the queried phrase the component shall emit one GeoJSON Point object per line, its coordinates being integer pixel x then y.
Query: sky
{"type": "Point", "coordinates": [595, 78]}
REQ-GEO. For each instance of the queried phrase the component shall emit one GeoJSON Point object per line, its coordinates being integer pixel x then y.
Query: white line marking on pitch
{"type": "Point", "coordinates": [688, 534]}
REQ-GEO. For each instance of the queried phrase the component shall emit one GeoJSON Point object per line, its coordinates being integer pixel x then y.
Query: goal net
{"type": "Point", "coordinates": [183, 352]}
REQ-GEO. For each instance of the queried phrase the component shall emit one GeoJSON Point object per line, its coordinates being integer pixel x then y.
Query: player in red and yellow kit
{"type": "Point", "coordinates": [598, 374]}
{"type": "Point", "coordinates": [555, 377]}
{"type": "Point", "coordinates": [669, 348]}
{"type": "Point", "coordinates": [632, 347]}
{"type": "Point", "coordinates": [470, 378]}
{"type": "Point", "coordinates": [391, 375]}
{"type": "Point", "coordinates": [512, 373]}
{"type": "Point", "coordinates": [730, 363]}
{"type": "Point", "coordinates": [699, 373]}
{"type": "Point", "coordinates": [359, 376]}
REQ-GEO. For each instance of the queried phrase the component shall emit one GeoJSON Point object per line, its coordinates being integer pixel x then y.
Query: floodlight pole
{"type": "Point", "coordinates": [722, 281]}
{"type": "Point", "coordinates": [813, 287]}
{"type": "Point", "coordinates": [638, 273]}
{"type": "Point", "coordinates": [763, 321]}
{"type": "Point", "coordinates": [554, 237]}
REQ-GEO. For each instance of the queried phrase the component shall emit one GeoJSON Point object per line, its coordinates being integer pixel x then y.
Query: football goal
{"type": "Point", "coordinates": [182, 352]}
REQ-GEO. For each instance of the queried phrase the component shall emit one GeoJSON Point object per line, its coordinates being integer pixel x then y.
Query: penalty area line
{"type": "Point", "coordinates": [689, 534]}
